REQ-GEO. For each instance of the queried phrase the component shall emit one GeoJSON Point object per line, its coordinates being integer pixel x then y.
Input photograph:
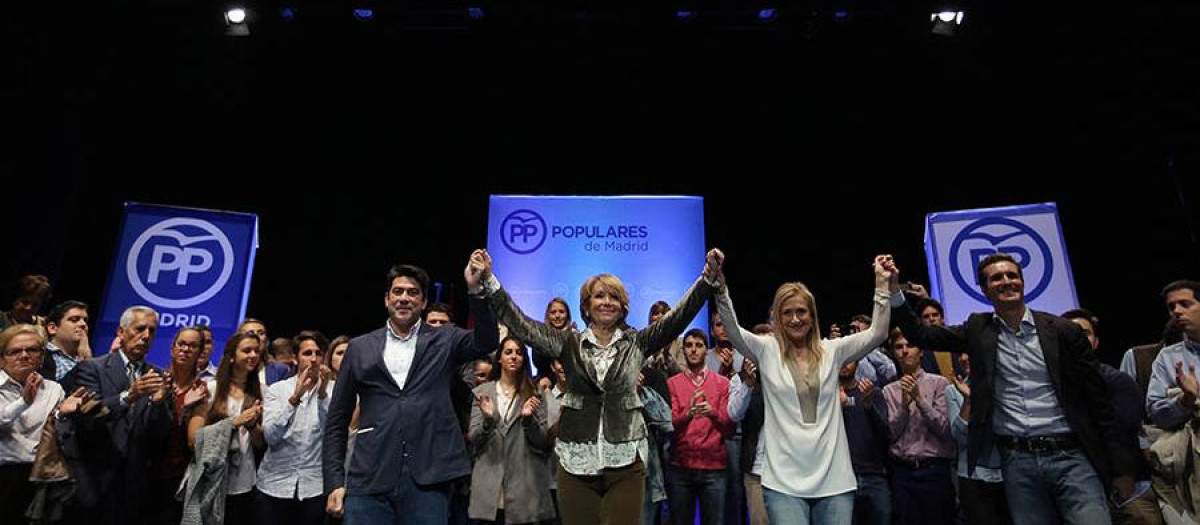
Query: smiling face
{"type": "Point", "coordinates": [1003, 284]}
{"type": "Point", "coordinates": [404, 301]}
{"type": "Point", "coordinates": [605, 305]}
{"type": "Point", "coordinates": [556, 315]}
{"type": "Point", "coordinates": [247, 356]}
{"type": "Point", "coordinates": [796, 318]}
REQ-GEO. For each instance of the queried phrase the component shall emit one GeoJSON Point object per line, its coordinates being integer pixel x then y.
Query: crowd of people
{"type": "Point", "coordinates": [894, 417]}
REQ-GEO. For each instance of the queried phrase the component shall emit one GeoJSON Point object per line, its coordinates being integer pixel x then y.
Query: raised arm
{"type": "Point", "coordinates": [672, 325]}
{"type": "Point", "coordinates": [856, 346]}
{"type": "Point", "coordinates": [543, 339]}
{"type": "Point", "coordinates": [749, 344]}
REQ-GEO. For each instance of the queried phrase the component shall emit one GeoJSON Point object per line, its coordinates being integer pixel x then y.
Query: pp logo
{"type": "Point", "coordinates": [998, 234]}
{"type": "Point", "coordinates": [523, 231]}
{"type": "Point", "coordinates": [173, 264]}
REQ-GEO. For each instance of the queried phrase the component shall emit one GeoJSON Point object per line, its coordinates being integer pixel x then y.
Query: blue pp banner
{"type": "Point", "coordinates": [544, 247]}
{"type": "Point", "coordinates": [192, 266]}
{"type": "Point", "coordinates": [956, 241]}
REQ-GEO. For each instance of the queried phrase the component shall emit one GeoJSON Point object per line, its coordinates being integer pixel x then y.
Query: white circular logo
{"type": "Point", "coordinates": [183, 259]}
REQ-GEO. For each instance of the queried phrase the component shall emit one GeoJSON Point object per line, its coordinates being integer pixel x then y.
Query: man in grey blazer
{"type": "Point", "coordinates": [408, 447]}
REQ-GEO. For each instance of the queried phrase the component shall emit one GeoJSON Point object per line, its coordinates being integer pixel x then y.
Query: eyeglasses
{"type": "Point", "coordinates": [13, 352]}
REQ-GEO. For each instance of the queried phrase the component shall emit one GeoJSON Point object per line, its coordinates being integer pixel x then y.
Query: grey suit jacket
{"type": "Point", "coordinates": [510, 456]}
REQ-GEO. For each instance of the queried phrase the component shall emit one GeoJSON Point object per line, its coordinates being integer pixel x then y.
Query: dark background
{"type": "Point", "coordinates": [815, 142]}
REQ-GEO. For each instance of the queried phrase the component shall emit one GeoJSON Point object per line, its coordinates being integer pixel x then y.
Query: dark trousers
{"type": "Point", "coordinates": [735, 490]}
{"type": "Point", "coordinates": [872, 500]}
{"type": "Point", "coordinates": [686, 487]}
{"type": "Point", "coordinates": [161, 505]}
{"type": "Point", "coordinates": [923, 495]}
{"type": "Point", "coordinates": [240, 508]}
{"type": "Point", "coordinates": [982, 503]}
{"type": "Point", "coordinates": [275, 511]}
{"type": "Point", "coordinates": [614, 496]}
{"type": "Point", "coordinates": [15, 492]}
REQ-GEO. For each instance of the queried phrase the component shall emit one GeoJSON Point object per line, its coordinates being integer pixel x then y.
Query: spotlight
{"type": "Point", "coordinates": [235, 22]}
{"type": "Point", "coordinates": [235, 15]}
{"type": "Point", "coordinates": [364, 14]}
{"type": "Point", "coordinates": [767, 14]}
{"type": "Point", "coordinates": [946, 23]}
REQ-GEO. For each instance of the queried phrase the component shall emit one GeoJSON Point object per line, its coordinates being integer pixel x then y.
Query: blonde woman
{"type": "Point", "coordinates": [807, 477]}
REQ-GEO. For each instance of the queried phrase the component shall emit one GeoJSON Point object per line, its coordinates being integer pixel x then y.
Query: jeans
{"type": "Point", "coordinates": [830, 510]}
{"type": "Point", "coordinates": [872, 501]}
{"type": "Point", "coordinates": [686, 486]}
{"type": "Point", "coordinates": [1052, 487]}
{"type": "Point", "coordinates": [407, 504]}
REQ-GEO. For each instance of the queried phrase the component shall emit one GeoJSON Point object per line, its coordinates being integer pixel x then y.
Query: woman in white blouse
{"type": "Point", "coordinates": [26, 401]}
{"type": "Point", "coordinates": [807, 477]}
{"type": "Point", "coordinates": [237, 394]}
{"type": "Point", "coordinates": [289, 479]}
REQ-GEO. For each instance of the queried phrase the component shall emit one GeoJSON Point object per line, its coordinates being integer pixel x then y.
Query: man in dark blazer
{"type": "Point", "coordinates": [1038, 396]}
{"type": "Point", "coordinates": [116, 455]}
{"type": "Point", "coordinates": [408, 447]}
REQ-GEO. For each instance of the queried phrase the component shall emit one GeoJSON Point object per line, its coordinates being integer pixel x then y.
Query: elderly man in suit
{"type": "Point", "coordinates": [408, 447]}
{"type": "Point", "coordinates": [116, 456]}
{"type": "Point", "coordinates": [1037, 396]}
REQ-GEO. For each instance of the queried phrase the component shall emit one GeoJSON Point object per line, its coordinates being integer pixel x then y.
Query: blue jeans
{"type": "Point", "coordinates": [686, 486]}
{"type": "Point", "coordinates": [408, 504]}
{"type": "Point", "coordinates": [830, 510]}
{"type": "Point", "coordinates": [872, 501]}
{"type": "Point", "coordinates": [1053, 487]}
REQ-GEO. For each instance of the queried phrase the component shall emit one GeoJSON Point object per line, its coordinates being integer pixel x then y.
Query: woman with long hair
{"type": "Point", "coordinates": [190, 392]}
{"type": "Point", "coordinates": [558, 317]}
{"type": "Point", "coordinates": [236, 394]}
{"type": "Point", "coordinates": [807, 477]}
{"type": "Point", "coordinates": [601, 441]}
{"type": "Point", "coordinates": [510, 479]}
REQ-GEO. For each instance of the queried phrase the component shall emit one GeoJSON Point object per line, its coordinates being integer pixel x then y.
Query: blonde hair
{"type": "Point", "coordinates": [785, 293]}
{"type": "Point", "coordinates": [609, 281]}
{"type": "Point", "coordinates": [23, 329]}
